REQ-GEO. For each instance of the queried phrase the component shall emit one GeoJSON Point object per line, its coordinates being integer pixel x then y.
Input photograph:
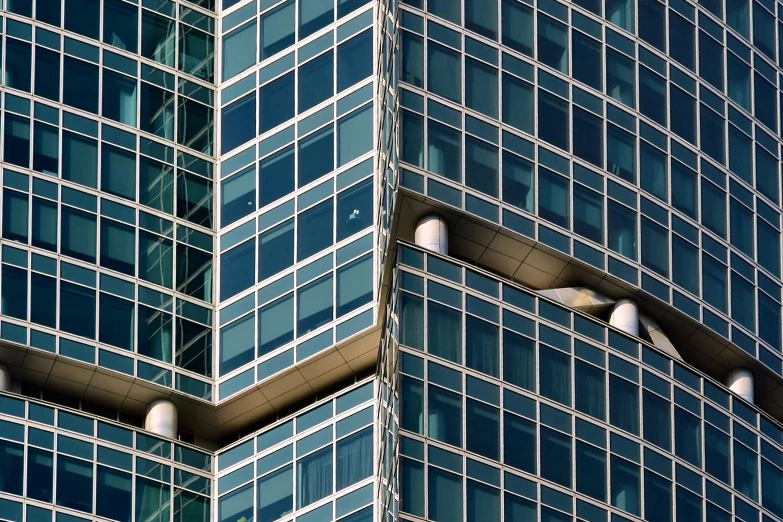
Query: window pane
{"type": "Point", "coordinates": [315, 304]}
{"type": "Point", "coordinates": [117, 326]}
{"type": "Point", "coordinates": [77, 310]}
{"type": "Point", "coordinates": [18, 70]}
{"type": "Point", "coordinates": [78, 234]}
{"type": "Point", "coordinates": [80, 84]}
{"type": "Point", "coordinates": [313, 15]}
{"type": "Point", "coordinates": [481, 87]}
{"type": "Point", "coordinates": [444, 332]}
{"type": "Point", "coordinates": [276, 176]}
{"type": "Point", "coordinates": [590, 471]}
{"type": "Point", "coordinates": [113, 494]}
{"type": "Point", "coordinates": [626, 486]}
{"type": "Point", "coordinates": [685, 264]}
{"type": "Point", "coordinates": [444, 151]}
{"type": "Point", "coordinates": [43, 300]}
{"type": "Point", "coordinates": [555, 375]}
{"type": "Point", "coordinates": [553, 198]}
{"type": "Point", "coordinates": [118, 171]}
{"type": "Point", "coordinates": [12, 467]}
{"type": "Point", "coordinates": [444, 421]}
{"type": "Point", "coordinates": [354, 458]}
{"type": "Point", "coordinates": [482, 429]}
{"type": "Point", "coordinates": [553, 120]}
{"type": "Point", "coordinates": [717, 458]}
{"type": "Point", "coordinates": [445, 496]}
{"type": "Point", "coordinates": [238, 269]}
{"type": "Point", "coordinates": [156, 259]}
{"type": "Point", "coordinates": [314, 477]}
{"type": "Point", "coordinates": [483, 503]}
{"type": "Point", "coordinates": [591, 383]}
{"type": "Point", "coordinates": [40, 475]}
{"type": "Point", "coordinates": [278, 29]}
{"type": "Point", "coordinates": [276, 494]}
{"type": "Point", "coordinates": [276, 102]}
{"type": "Point", "coordinates": [657, 498]}
{"type": "Point", "coordinates": [275, 324]}
{"type": "Point", "coordinates": [15, 215]}
{"type": "Point", "coordinates": [556, 457]}
{"type": "Point", "coordinates": [316, 156]}
{"type": "Point", "coordinates": [522, 453]}
{"type": "Point", "coordinates": [354, 60]}
{"type": "Point", "coordinates": [118, 247]}
{"type": "Point", "coordinates": [621, 230]}
{"type": "Point", "coordinates": [657, 420]}
{"type": "Point", "coordinates": [194, 198]}
{"type": "Point", "coordinates": [481, 166]}
{"type": "Point", "coordinates": [82, 17]}
{"type": "Point", "coordinates": [276, 250]}
{"type": "Point", "coordinates": [687, 437]}
{"type": "Point", "coordinates": [153, 501]}
{"type": "Point", "coordinates": [412, 487]}
{"type": "Point", "coordinates": [588, 214]}
{"type": "Point", "coordinates": [154, 334]}
{"type": "Point", "coordinates": [354, 285]}
{"type": "Point", "coordinates": [552, 43]}
{"type": "Point", "coordinates": [239, 123]}
{"type": "Point", "coordinates": [316, 81]}
{"type": "Point", "coordinates": [354, 135]}
{"type": "Point", "coordinates": [655, 247]}
{"type": "Point", "coordinates": [518, 105]}
{"type": "Point", "coordinates": [74, 483]}
{"type": "Point", "coordinates": [236, 57]}
{"type": "Point", "coordinates": [624, 404]}
{"type": "Point", "coordinates": [315, 229]}
{"type": "Point", "coordinates": [80, 159]}
{"type": "Point", "coordinates": [444, 72]}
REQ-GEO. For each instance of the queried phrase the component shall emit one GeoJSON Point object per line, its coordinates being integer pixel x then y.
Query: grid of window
{"type": "Point", "coordinates": [690, 141]}
{"type": "Point", "coordinates": [71, 465]}
{"type": "Point", "coordinates": [511, 380]}
{"type": "Point", "coordinates": [318, 466]}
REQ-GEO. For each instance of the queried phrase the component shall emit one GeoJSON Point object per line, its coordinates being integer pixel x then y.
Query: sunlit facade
{"type": "Point", "coordinates": [412, 260]}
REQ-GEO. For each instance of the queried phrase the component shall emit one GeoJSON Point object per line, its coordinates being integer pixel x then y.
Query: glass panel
{"type": "Point", "coordinates": [74, 484]}
{"type": "Point", "coordinates": [354, 458]}
{"type": "Point", "coordinates": [314, 477]}
{"type": "Point", "coordinates": [153, 501]}
{"type": "Point", "coordinates": [113, 495]}
{"type": "Point", "coordinates": [444, 422]}
{"type": "Point", "coordinates": [276, 494]}
{"type": "Point", "coordinates": [444, 496]}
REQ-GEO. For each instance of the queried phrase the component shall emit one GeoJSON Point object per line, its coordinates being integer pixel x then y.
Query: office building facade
{"type": "Point", "coordinates": [353, 261]}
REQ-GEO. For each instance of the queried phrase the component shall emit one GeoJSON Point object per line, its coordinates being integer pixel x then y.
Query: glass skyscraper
{"type": "Point", "coordinates": [391, 261]}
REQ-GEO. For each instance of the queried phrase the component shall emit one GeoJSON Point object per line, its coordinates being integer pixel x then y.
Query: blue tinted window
{"type": "Point", "coordinates": [77, 310]}
{"type": "Point", "coordinates": [313, 15]}
{"type": "Point", "coordinates": [113, 494]}
{"type": "Point", "coordinates": [276, 176]}
{"type": "Point", "coordinates": [316, 155]}
{"type": "Point", "coordinates": [80, 84]}
{"type": "Point", "coordinates": [239, 123]}
{"type": "Point", "coordinates": [14, 292]}
{"type": "Point", "coordinates": [316, 81]}
{"type": "Point", "coordinates": [276, 102]}
{"type": "Point", "coordinates": [74, 484]}
{"type": "Point", "coordinates": [238, 196]}
{"type": "Point", "coordinates": [315, 229]}
{"type": "Point", "coordinates": [276, 250]}
{"type": "Point", "coordinates": [237, 269]}
{"type": "Point", "coordinates": [444, 72]}
{"type": "Point", "coordinates": [354, 60]}
{"type": "Point", "coordinates": [275, 324]}
{"type": "Point", "coordinates": [236, 50]}
{"type": "Point", "coordinates": [278, 29]}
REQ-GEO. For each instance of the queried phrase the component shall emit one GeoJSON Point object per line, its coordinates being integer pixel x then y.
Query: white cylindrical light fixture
{"type": "Point", "coordinates": [432, 233]}
{"type": "Point", "coordinates": [740, 381]}
{"type": "Point", "coordinates": [161, 418]}
{"type": "Point", "coordinates": [625, 316]}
